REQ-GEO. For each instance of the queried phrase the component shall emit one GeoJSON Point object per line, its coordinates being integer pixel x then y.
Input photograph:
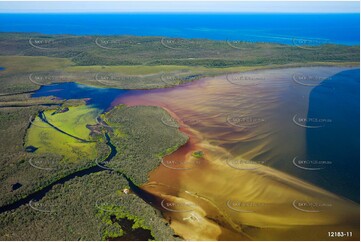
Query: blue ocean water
{"type": "Point", "coordinates": [339, 143]}
{"type": "Point", "coordinates": [279, 28]}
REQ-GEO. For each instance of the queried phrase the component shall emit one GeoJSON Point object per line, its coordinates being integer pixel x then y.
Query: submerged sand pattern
{"type": "Point", "coordinates": [241, 188]}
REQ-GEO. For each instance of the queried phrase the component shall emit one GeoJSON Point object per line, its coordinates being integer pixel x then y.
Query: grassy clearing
{"type": "Point", "coordinates": [74, 120]}
{"type": "Point", "coordinates": [132, 70]}
{"type": "Point", "coordinates": [50, 141]}
{"type": "Point", "coordinates": [19, 64]}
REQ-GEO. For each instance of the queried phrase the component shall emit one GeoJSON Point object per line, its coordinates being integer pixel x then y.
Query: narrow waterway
{"type": "Point", "coordinates": [96, 167]}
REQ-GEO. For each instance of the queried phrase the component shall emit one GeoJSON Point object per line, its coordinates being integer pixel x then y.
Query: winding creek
{"type": "Point", "coordinates": [36, 196]}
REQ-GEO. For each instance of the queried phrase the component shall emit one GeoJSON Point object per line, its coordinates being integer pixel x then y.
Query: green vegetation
{"type": "Point", "coordinates": [84, 209]}
{"type": "Point", "coordinates": [134, 129]}
{"type": "Point", "coordinates": [134, 50]}
{"type": "Point", "coordinates": [123, 77]}
{"type": "Point", "coordinates": [131, 62]}
{"type": "Point", "coordinates": [198, 154]}
{"type": "Point", "coordinates": [74, 120]}
{"type": "Point", "coordinates": [140, 136]}
{"type": "Point", "coordinates": [57, 154]}
{"type": "Point", "coordinates": [51, 141]}
{"type": "Point", "coordinates": [21, 64]}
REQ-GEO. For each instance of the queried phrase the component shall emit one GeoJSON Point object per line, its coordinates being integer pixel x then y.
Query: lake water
{"type": "Point", "coordinates": [98, 97]}
{"type": "Point", "coordinates": [279, 28]}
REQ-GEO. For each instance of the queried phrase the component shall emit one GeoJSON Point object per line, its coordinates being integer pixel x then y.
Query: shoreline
{"type": "Point", "coordinates": [256, 68]}
{"type": "Point", "coordinates": [291, 38]}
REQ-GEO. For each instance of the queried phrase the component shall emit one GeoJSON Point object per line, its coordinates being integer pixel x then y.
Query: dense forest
{"type": "Point", "coordinates": [133, 50]}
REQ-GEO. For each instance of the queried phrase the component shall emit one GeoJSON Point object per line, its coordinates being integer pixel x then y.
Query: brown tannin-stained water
{"type": "Point", "coordinates": [247, 185]}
